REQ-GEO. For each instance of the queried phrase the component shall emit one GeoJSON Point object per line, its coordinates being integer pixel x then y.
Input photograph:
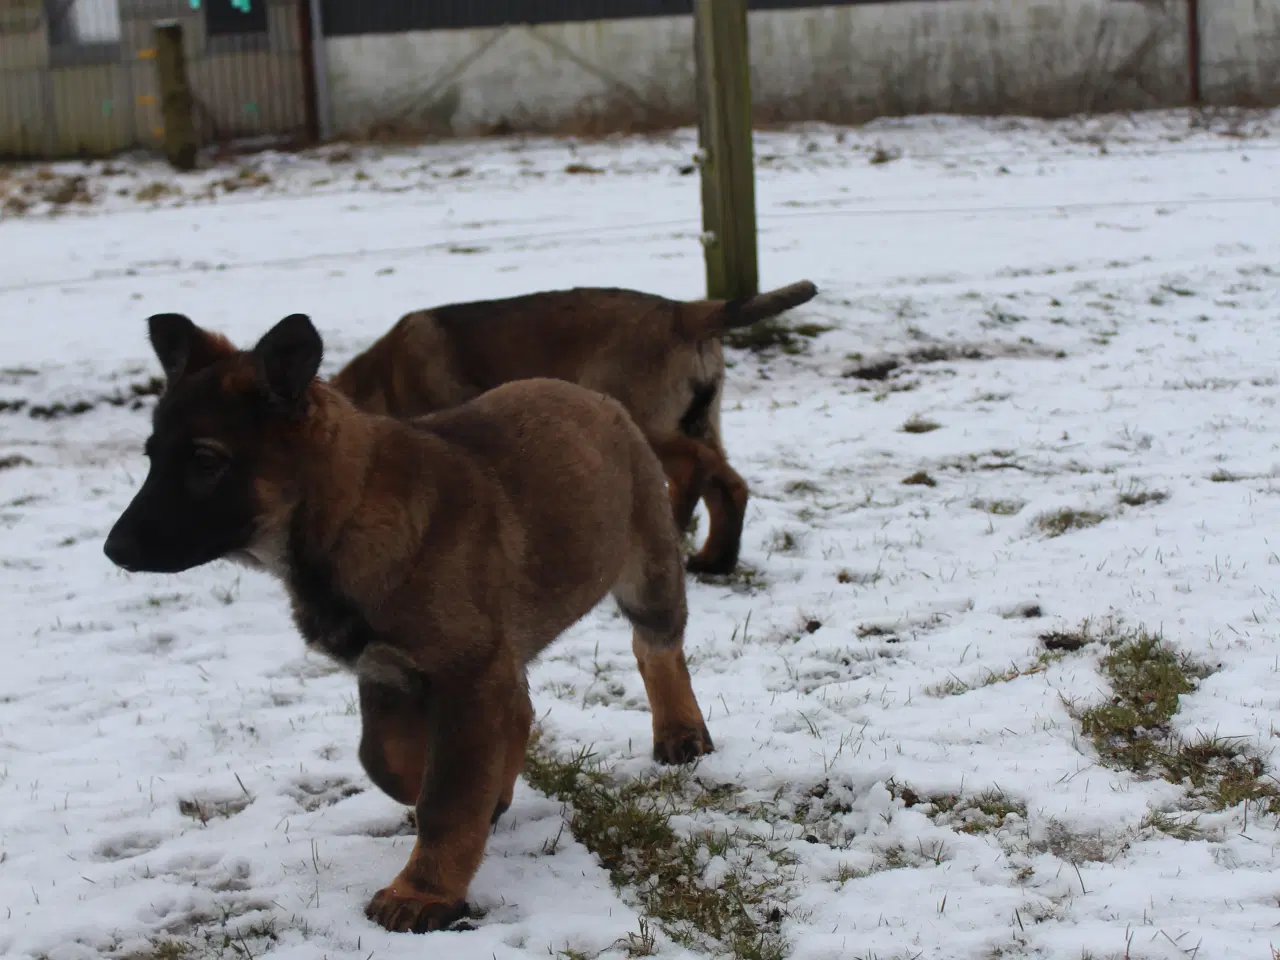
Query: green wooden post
{"type": "Point", "coordinates": [724, 138]}
{"type": "Point", "coordinates": [176, 103]}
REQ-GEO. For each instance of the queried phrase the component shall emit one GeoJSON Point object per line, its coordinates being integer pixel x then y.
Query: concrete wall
{"type": "Point", "coordinates": [840, 64]}
{"type": "Point", "coordinates": [1240, 65]}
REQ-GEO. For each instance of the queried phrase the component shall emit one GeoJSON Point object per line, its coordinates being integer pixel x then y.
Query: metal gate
{"type": "Point", "coordinates": [77, 77]}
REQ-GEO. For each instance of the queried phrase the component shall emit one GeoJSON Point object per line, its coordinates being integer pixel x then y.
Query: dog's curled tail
{"type": "Point", "coordinates": [705, 319]}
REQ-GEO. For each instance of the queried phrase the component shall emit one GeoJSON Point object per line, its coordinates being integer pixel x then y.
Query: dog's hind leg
{"type": "Point", "coordinates": [726, 498]}
{"type": "Point", "coordinates": [725, 494]}
{"type": "Point", "coordinates": [650, 593]}
{"type": "Point", "coordinates": [686, 463]}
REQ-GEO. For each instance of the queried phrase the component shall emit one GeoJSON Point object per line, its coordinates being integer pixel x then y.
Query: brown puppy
{"type": "Point", "coordinates": [661, 358]}
{"type": "Point", "coordinates": [433, 558]}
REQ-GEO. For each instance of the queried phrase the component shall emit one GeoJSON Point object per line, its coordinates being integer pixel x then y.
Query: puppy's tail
{"type": "Point", "coordinates": [707, 319]}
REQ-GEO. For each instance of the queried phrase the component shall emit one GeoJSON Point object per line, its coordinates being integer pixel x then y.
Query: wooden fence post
{"type": "Point", "coordinates": [176, 103]}
{"type": "Point", "coordinates": [724, 138]}
{"type": "Point", "coordinates": [1193, 52]}
{"type": "Point", "coordinates": [307, 53]}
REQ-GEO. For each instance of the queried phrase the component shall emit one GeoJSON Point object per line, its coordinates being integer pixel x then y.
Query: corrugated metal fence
{"type": "Point", "coordinates": [77, 77]}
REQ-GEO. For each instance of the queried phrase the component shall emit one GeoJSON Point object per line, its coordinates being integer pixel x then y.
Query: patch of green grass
{"type": "Point", "coordinates": [1058, 522]}
{"type": "Point", "coordinates": [858, 578]}
{"type": "Point", "coordinates": [243, 931]}
{"type": "Point", "coordinates": [1024, 611]}
{"type": "Point", "coordinates": [156, 190]}
{"type": "Point", "coordinates": [786, 541]}
{"type": "Point", "coordinates": [999, 317]}
{"type": "Point", "coordinates": [953, 686]}
{"type": "Point", "coordinates": [641, 943]}
{"type": "Point", "coordinates": [1222, 773]}
{"type": "Point", "coordinates": [1224, 476]}
{"type": "Point", "coordinates": [873, 369]}
{"type": "Point", "coordinates": [774, 334]}
{"type": "Point", "coordinates": [1147, 678]}
{"type": "Point", "coordinates": [627, 824]}
{"type": "Point", "coordinates": [882, 155]}
{"type": "Point", "coordinates": [866, 630]}
{"type": "Point", "coordinates": [891, 858]}
{"type": "Point", "coordinates": [161, 949]}
{"type": "Point", "coordinates": [1136, 496]}
{"type": "Point", "coordinates": [989, 461]}
{"type": "Point", "coordinates": [1171, 826]}
{"type": "Point", "coordinates": [1000, 508]}
{"type": "Point", "coordinates": [920, 479]}
{"type": "Point", "coordinates": [1078, 847]}
{"type": "Point", "coordinates": [983, 813]}
{"type": "Point", "coordinates": [796, 487]}
{"type": "Point", "coordinates": [132, 396]}
{"type": "Point", "coordinates": [765, 335]}
{"type": "Point", "coordinates": [206, 809]}
{"type": "Point", "coordinates": [847, 871]}
{"type": "Point", "coordinates": [1066, 641]}
{"type": "Point", "coordinates": [918, 424]}
{"type": "Point", "coordinates": [980, 813]}
{"type": "Point", "coordinates": [996, 806]}
{"type": "Point", "coordinates": [1131, 730]}
{"type": "Point", "coordinates": [895, 386]}
{"type": "Point", "coordinates": [1042, 662]}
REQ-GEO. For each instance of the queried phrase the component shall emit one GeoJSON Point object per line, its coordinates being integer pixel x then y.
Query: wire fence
{"type": "Point", "coordinates": [77, 77]}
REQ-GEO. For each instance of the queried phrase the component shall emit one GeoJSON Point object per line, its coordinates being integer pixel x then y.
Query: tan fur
{"type": "Point", "coordinates": [660, 358]}
{"type": "Point", "coordinates": [486, 532]}
{"type": "Point", "coordinates": [436, 558]}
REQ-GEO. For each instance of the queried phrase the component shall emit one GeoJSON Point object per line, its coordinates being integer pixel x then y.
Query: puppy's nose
{"type": "Point", "coordinates": [120, 549]}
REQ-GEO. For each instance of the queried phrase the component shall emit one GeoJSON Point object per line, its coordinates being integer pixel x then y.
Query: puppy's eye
{"type": "Point", "coordinates": [207, 460]}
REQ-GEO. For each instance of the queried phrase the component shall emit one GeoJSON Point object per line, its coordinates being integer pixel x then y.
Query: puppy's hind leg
{"type": "Point", "coordinates": [725, 494]}
{"type": "Point", "coordinates": [650, 593]}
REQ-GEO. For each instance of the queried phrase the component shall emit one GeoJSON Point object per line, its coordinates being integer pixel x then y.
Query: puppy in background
{"type": "Point", "coordinates": [662, 359]}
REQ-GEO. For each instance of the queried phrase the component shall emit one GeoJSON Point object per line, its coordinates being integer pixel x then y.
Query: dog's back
{"type": "Point", "coordinates": [618, 342]}
{"type": "Point", "coordinates": [516, 453]}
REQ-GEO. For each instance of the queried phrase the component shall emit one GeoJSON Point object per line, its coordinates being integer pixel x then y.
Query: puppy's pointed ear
{"type": "Point", "coordinates": [183, 348]}
{"type": "Point", "coordinates": [288, 357]}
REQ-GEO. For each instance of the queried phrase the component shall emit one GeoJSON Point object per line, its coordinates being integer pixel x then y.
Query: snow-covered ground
{"type": "Point", "coordinates": [174, 770]}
